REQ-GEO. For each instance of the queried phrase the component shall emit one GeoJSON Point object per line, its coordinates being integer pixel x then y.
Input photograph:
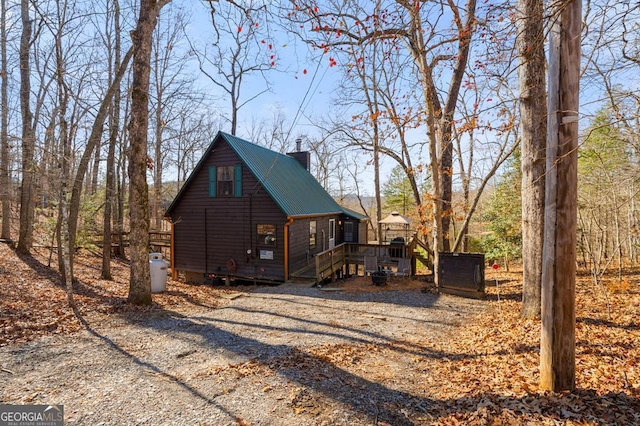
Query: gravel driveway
{"type": "Point", "coordinates": [270, 356]}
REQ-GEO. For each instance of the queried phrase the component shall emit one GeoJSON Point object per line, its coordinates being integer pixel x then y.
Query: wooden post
{"type": "Point", "coordinates": [557, 342]}
{"type": "Point", "coordinates": [319, 276]}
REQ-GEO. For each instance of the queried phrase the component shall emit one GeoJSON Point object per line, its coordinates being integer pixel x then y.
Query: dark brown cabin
{"type": "Point", "coordinates": [251, 213]}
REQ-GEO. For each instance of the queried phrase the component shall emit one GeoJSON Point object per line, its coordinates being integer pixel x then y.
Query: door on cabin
{"type": "Point", "coordinates": [332, 233]}
{"type": "Point", "coordinates": [349, 235]}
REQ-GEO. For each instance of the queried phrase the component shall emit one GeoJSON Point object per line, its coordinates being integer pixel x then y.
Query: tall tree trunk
{"type": "Point", "coordinates": [157, 151]}
{"type": "Point", "coordinates": [114, 129]}
{"type": "Point", "coordinates": [140, 280]}
{"type": "Point", "coordinates": [121, 185]}
{"type": "Point", "coordinates": [446, 121]}
{"type": "Point", "coordinates": [5, 181]}
{"type": "Point", "coordinates": [533, 123]}
{"type": "Point", "coordinates": [28, 137]}
{"type": "Point", "coordinates": [48, 170]}
{"type": "Point", "coordinates": [234, 111]}
{"type": "Point", "coordinates": [557, 337]}
{"type": "Point", "coordinates": [121, 182]}
{"type": "Point", "coordinates": [633, 240]}
{"type": "Point", "coordinates": [376, 179]}
{"type": "Point", "coordinates": [64, 254]}
{"type": "Point", "coordinates": [93, 187]}
{"type": "Point", "coordinates": [63, 248]}
{"type": "Point", "coordinates": [109, 191]}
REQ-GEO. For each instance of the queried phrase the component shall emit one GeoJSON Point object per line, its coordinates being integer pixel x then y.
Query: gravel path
{"type": "Point", "coordinates": [272, 356]}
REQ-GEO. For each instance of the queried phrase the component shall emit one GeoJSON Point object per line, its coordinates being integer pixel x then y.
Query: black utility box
{"type": "Point", "coordinates": [462, 274]}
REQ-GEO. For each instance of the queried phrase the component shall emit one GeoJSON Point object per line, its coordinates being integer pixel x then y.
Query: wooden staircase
{"type": "Point", "coordinates": [423, 259]}
{"type": "Point", "coordinates": [419, 255]}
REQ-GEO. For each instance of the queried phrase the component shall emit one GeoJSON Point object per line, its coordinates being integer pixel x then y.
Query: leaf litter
{"type": "Point", "coordinates": [484, 372]}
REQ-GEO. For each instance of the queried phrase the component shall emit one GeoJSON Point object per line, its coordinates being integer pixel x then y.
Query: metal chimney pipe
{"type": "Point", "coordinates": [298, 145]}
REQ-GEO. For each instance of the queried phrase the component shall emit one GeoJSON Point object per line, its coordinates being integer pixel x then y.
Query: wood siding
{"type": "Point", "coordinates": [300, 253]}
{"type": "Point", "coordinates": [359, 231]}
{"type": "Point", "coordinates": [210, 231]}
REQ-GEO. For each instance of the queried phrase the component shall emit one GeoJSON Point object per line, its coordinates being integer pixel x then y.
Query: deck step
{"type": "Point", "coordinates": [298, 282]}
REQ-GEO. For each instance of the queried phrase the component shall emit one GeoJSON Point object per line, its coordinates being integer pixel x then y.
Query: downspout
{"type": "Point", "coordinates": [206, 244]}
{"type": "Point", "coordinates": [174, 273]}
{"type": "Point", "coordinates": [286, 247]}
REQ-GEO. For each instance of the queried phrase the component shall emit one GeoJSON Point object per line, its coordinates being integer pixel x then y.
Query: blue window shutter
{"type": "Point", "coordinates": [212, 181]}
{"type": "Point", "coordinates": [237, 180]}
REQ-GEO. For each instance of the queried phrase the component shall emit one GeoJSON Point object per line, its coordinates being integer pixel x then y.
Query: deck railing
{"type": "Point", "coordinates": [330, 262]}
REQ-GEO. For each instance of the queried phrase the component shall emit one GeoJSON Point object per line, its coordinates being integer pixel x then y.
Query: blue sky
{"type": "Point", "coordinates": [289, 83]}
{"type": "Point", "coordinates": [303, 97]}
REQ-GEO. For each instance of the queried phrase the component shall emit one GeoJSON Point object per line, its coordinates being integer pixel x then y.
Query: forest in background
{"type": "Point", "coordinates": [70, 107]}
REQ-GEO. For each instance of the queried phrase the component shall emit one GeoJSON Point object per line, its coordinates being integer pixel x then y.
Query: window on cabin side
{"type": "Point", "coordinates": [312, 233]}
{"type": "Point", "coordinates": [266, 234]}
{"type": "Point", "coordinates": [225, 181]}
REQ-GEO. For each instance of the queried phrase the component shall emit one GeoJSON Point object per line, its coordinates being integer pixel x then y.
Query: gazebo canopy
{"type": "Point", "coordinates": [395, 218]}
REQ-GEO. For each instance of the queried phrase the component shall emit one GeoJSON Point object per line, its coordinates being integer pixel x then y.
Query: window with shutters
{"type": "Point", "coordinates": [225, 181]}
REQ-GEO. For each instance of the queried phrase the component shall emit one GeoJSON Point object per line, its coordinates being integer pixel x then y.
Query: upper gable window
{"type": "Point", "coordinates": [225, 181]}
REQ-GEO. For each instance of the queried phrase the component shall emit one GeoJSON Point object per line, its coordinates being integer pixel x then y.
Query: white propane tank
{"type": "Point", "coordinates": [158, 268]}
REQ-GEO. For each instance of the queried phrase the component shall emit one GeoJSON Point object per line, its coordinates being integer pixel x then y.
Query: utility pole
{"type": "Point", "coordinates": [557, 342]}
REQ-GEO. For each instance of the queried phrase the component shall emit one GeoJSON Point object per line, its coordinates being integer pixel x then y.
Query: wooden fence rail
{"type": "Point", "coordinates": [157, 240]}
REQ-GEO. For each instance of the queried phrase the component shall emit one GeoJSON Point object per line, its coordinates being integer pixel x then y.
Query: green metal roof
{"type": "Point", "coordinates": [289, 184]}
{"type": "Point", "coordinates": [354, 214]}
{"type": "Point", "coordinates": [292, 187]}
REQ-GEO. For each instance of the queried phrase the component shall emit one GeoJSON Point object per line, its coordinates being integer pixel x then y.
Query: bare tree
{"type": "Point", "coordinates": [92, 143]}
{"type": "Point", "coordinates": [483, 158]}
{"type": "Point", "coordinates": [610, 46]}
{"type": "Point", "coordinates": [241, 49]}
{"type": "Point", "coordinates": [436, 36]}
{"type": "Point", "coordinates": [140, 280]}
{"type": "Point", "coordinates": [28, 133]}
{"type": "Point", "coordinates": [533, 122]}
{"type": "Point", "coordinates": [194, 133]}
{"type": "Point", "coordinates": [273, 132]}
{"type": "Point", "coordinates": [112, 18]}
{"type": "Point", "coordinates": [327, 162]}
{"type": "Point", "coordinates": [121, 176]}
{"type": "Point", "coordinates": [172, 94]}
{"type": "Point", "coordinates": [65, 146]}
{"type": "Point", "coordinates": [5, 181]}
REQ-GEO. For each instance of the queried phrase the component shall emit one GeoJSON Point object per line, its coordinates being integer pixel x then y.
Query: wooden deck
{"type": "Point", "coordinates": [348, 259]}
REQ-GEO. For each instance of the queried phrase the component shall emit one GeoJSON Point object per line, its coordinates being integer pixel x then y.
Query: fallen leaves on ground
{"type": "Point", "coordinates": [33, 299]}
{"type": "Point", "coordinates": [485, 373]}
